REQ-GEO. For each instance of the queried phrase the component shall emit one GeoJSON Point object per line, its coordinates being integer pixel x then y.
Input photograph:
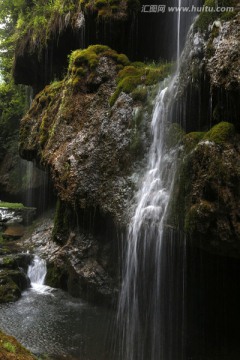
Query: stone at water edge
{"type": "Point", "coordinates": [13, 232]}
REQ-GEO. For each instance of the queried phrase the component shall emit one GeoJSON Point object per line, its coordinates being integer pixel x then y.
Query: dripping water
{"type": "Point", "coordinates": [178, 32]}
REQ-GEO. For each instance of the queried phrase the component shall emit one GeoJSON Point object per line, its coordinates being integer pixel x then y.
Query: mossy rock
{"type": "Point", "coordinates": [16, 261]}
{"type": "Point", "coordinates": [221, 133]}
{"type": "Point", "coordinates": [81, 60]}
{"type": "Point", "coordinates": [9, 290]}
{"type": "Point", "coordinates": [56, 276]}
{"type": "Point", "coordinates": [208, 17]}
{"type": "Point", "coordinates": [192, 139]}
{"type": "Point", "coordinates": [132, 79]}
{"type": "Point", "coordinates": [11, 349]}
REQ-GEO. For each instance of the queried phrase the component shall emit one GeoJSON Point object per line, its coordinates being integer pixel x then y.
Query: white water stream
{"type": "Point", "coordinates": [37, 272]}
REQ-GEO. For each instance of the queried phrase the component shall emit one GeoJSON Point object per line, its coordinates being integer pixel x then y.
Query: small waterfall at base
{"type": "Point", "coordinates": [151, 309]}
{"type": "Point", "coordinates": [37, 272]}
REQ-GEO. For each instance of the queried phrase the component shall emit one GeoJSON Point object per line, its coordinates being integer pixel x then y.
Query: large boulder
{"type": "Point", "coordinates": [89, 129]}
{"type": "Point", "coordinates": [206, 201]}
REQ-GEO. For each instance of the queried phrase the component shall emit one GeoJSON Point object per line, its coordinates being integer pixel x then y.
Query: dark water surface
{"type": "Point", "coordinates": [49, 321]}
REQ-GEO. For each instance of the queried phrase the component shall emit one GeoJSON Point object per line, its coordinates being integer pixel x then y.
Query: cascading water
{"type": "Point", "coordinates": [151, 306]}
{"type": "Point", "coordinates": [37, 272]}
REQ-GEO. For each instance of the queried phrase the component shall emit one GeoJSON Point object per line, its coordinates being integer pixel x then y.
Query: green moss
{"type": "Point", "coordinates": [11, 205]}
{"type": "Point", "coordinates": [192, 139]}
{"type": "Point", "coordinates": [140, 94]}
{"type": "Point", "coordinates": [220, 133]}
{"type": "Point", "coordinates": [56, 276]}
{"type": "Point", "coordinates": [81, 60]}
{"type": "Point", "coordinates": [38, 21]}
{"type": "Point", "coordinates": [9, 347]}
{"type": "Point", "coordinates": [130, 77]}
{"type": "Point", "coordinates": [9, 291]}
{"type": "Point", "coordinates": [138, 129]}
{"type": "Point", "coordinates": [44, 130]}
{"type": "Point", "coordinates": [208, 17]}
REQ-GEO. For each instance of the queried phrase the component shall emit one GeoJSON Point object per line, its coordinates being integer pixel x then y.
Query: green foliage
{"type": "Point", "coordinates": [34, 22]}
{"type": "Point", "coordinates": [12, 107]}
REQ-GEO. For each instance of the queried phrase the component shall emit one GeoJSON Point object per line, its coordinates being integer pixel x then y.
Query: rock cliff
{"type": "Point", "coordinates": [91, 130]}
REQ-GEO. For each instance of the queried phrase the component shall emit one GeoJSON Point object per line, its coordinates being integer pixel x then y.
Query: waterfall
{"type": "Point", "coordinates": [37, 272]}
{"type": "Point", "coordinates": [151, 306]}
{"type": "Point", "coordinates": [140, 309]}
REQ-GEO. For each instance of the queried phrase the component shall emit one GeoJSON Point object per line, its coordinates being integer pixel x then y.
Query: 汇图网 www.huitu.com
{"type": "Point", "coordinates": [198, 9]}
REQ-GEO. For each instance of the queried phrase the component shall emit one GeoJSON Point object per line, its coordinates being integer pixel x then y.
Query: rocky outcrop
{"type": "Point", "coordinates": [207, 198]}
{"type": "Point", "coordinates": [91, 148]}
{"type": "Point", "coordinates": [210, 69]}
{"type": "Point", "coordinates": [222, 62]}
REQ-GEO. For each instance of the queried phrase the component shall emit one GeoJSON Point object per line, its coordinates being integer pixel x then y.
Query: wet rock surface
{"type": "Point", "coordinates": [209, 76]}
{"type": "Point", "coordinates": [223, 62]}
{"type": "Point", "coordinates": [83, 266]}
{"type": "Point", "coordinates": [10, 216]}
{"type": "Point", "coordinates": [13, 278]}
